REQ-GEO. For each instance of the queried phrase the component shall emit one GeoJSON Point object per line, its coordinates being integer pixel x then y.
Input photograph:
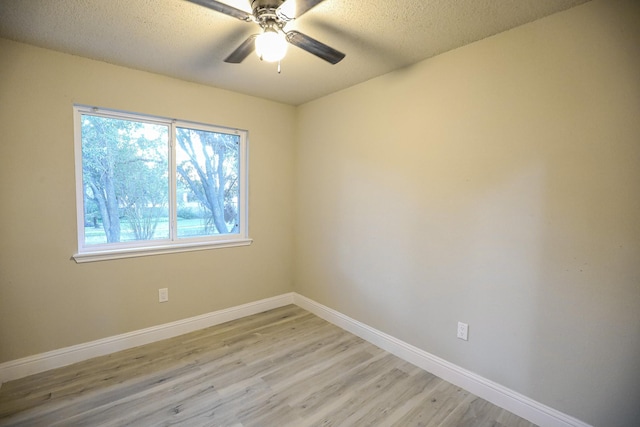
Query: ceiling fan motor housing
{"type": "Point", "coordinates": [265, 4]}
{"type": "Point", "coordinates": [265, 14]}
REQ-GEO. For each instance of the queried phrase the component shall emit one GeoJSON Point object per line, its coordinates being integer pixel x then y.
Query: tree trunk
{"type": "Point", "coordinates": [113, 232]}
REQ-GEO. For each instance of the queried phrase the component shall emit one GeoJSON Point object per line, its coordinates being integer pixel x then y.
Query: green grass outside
{"type": "Point", "coordinates": [186, 228]}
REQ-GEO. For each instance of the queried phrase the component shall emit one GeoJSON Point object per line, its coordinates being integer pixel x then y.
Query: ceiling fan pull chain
{"type": "Point", "coordinates": [279, 70]}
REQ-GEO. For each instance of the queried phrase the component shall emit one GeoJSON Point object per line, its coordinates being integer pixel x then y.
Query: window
{"type": "Point", "coordinates": [148, 185]}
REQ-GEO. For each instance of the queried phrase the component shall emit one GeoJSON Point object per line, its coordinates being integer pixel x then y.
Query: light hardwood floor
{"type": "Point", "coordinates": [284, 367]}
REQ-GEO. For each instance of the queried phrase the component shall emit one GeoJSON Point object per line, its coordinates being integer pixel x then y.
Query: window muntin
{"type": "Point", "coordinates": [152, 185]}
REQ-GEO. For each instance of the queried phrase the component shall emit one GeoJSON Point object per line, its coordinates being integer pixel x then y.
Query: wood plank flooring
{"type": "Point", "coordinates": [284, 367]}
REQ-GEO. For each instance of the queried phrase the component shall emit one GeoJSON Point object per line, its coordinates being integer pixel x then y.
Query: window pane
{"type": "Point", "coordinates": [125, 180]}
{"type": "Point", "coordinates": [207, 169]}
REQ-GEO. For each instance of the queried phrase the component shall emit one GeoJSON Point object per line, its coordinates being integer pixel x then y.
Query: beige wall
{"type": "Point", "coordinates": [47, 301]}
{"type": "Point", "coordinates": [499, 185]}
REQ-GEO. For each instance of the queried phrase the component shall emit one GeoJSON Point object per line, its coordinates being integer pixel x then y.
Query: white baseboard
{"type": "Point", "coordinates": [516, 403]}
{"type": "Point", "coordinates": [520, 405]}
{"type": "Point", "coordinates": [20, 368]}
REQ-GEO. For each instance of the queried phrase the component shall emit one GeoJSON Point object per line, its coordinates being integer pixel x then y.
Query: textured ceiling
{"type": "Point", "coordinates": [187, 41]}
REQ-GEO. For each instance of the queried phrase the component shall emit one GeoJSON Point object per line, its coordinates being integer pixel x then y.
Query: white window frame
{"type": "Point", "coordinates": [109, 251]}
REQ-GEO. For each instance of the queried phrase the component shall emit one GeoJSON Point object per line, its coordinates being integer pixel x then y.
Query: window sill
{"type": "Point", "coordinates": [105, 255]}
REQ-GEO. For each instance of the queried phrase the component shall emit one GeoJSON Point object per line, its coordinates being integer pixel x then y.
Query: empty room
{"type": "Point", "coordinates": [320, 212]}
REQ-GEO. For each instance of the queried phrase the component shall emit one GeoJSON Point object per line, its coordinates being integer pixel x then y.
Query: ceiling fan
{"type": "Point", "coordinates": [272, 16]}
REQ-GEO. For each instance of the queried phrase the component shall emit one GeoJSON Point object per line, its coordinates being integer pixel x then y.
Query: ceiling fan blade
{"type": "Point", "coordinates": [244, 50]}
{"type": "Point", "coordinates": [223, 8]}
{"type": "Point", "coordinates": [314, 47]}
{"type": "Point", "coordinates": [292, 9]}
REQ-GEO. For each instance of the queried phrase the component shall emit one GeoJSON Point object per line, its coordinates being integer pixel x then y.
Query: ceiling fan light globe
{"type": "Point", "coordinates": [271, 46]}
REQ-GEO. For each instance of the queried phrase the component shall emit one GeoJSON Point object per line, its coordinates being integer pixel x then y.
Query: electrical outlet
{"type": "Point", "coordinates": [463, 331]}
{"type": "Point", "coordinates": [163, 295]}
